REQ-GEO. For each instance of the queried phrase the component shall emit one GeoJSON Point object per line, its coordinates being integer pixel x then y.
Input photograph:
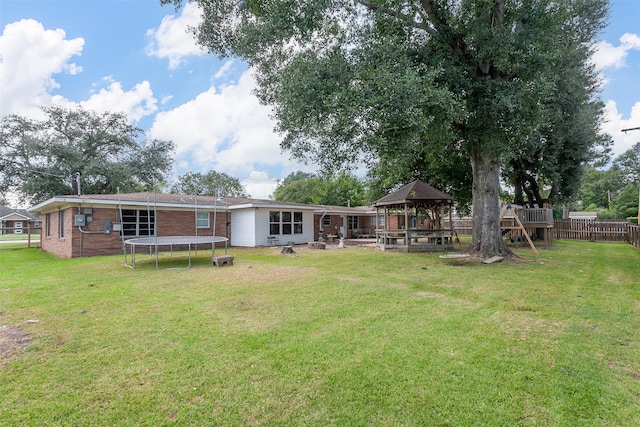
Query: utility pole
{"type": "Point", "coordinates": [638, 150]}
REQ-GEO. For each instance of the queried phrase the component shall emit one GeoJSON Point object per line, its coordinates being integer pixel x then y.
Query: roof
{"type": "Point", "coordinates": [175, 201]}
{"type": "Point", "coordinates": [415, 193]}
{"type": "Point", "coordinates": [181, 201]}
{"type": "Point", "coordinates": [584, 215]}
{"type": "Point", "coordinates": [6, 213]}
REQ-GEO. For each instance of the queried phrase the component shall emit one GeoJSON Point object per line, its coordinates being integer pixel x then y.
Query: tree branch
{"type": "Point", "coordinates": [396, 14]}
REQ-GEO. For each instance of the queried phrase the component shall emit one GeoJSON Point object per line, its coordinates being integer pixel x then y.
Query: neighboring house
{"type": "Point", "coordinates": [88, 225]}
{"type": "Point", "coordinates": [583, 215]}
{"type": "Point", "coordinates": [17, 221]}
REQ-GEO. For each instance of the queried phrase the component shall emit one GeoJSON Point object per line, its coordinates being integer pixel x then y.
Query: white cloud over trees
{"type": "Point", "coordinates": [30, 57]}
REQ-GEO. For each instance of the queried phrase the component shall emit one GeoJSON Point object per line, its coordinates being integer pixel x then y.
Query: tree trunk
{"type": "Point", "coordinates": [487, 237]}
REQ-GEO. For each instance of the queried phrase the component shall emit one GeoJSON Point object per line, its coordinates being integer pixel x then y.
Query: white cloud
{"type": "Point", "coordinates": [614, 123]}
{"type": "Point", "coordinates": [259, 185]}
{"type": "Point", "coordinates": [29, 57]}
{"type": "Point", "coordinates": [228, 131]}
{"type": "Point", "coordinates": [607, 55]}
{"type": "Point", "coordinates": [224, 70]}
{"type": "Point", "coordinates": [173, 39]}
{"type": "Point", "coordinates": [137, 103]}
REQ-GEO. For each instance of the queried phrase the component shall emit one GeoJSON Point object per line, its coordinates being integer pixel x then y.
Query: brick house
{"type": "Point", "coordinates": [89, 225]}
{"type": "Point", "coordinates": [17, 221]}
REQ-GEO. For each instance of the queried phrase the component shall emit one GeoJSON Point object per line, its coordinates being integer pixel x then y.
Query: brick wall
{"type": "Point", "coordinates": [95, 242]}
{"type": "Point", "coordinates": [60, 247]}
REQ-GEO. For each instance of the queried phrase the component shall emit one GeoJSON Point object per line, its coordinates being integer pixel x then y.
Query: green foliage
{"type": "Point", "coordinates": [302, 187]}
{"type": "Point", "coordinates": [297, 187]}
{"type": "Point", "coordinates": [344, 190]}
{"type": "Point", "coordinates": [615, 190]}
{"type": "Point", "coordinates": [599, 187]}
{"type": "Point", "coordinates": [548, 165]}
{"type": "Point", "coordinates": [626, 203]}
{"type": "Point", "coordinates": [40, 159]}
{"type": "Point", "coordinates": [629, 163]}
{"type": "Point", "coordinates": [211, 183]}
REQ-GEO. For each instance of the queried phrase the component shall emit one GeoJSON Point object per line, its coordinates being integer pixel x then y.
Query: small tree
{"type": "Point", "coordinates": [303, 187]}
{"type": "Point", "coordinates": [210, 184]}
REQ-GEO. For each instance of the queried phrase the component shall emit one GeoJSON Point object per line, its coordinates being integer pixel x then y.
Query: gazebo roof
{"type": "Point", "coordinates": [416, 193]}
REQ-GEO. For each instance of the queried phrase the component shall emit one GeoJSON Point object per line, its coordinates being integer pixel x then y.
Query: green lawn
{"type": "Point", "coordinates": [352, 337]}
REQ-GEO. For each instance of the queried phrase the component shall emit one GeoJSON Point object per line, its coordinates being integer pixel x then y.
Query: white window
{"type": "Point", "coordinates": [17, 227]}
{"type": "Point", "coordinates": [202, 220]}
{"type": "Point", "coordinates": [138, 222]}
{"type": "Point", "coordinates": [285, 222]}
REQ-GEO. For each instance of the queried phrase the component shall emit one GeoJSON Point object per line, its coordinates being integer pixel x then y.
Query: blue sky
{"type": "Point", "coordinates": [136, 56]}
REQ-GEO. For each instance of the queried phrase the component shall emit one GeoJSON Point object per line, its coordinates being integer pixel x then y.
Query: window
{"type": "Point", "coordinates": [297, 223]}
{"type": "Point", "coordinates": [326, 221]}
{"type": "Point", "coordinates": [61, 224]}
{"type": "Point", "coordinates": [285, 222]}
{"type": "Point", "coordinates": [353, 222]}
{"type": "Point", "coordinates": [47, 225]}
{"type": "Point", "coordinates": [202, 220]}
{"type": "Point", "coordinates": [138, 222]}
{"type": "Point", "coordinates": [381, 221]}
{"type": "Point", "coordinates": [274, 222]}
{"type": "Point", "coordinates": [17, 227]}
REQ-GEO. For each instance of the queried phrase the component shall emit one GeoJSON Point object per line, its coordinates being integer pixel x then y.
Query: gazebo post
{"type": "Point", "coordinates": [407, 241]}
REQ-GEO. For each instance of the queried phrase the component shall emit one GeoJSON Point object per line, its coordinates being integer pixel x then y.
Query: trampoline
{"type": "Point", "coordinates": [168, 241]}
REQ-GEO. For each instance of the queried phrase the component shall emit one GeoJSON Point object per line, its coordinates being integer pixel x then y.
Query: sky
{"type": "Point", "coordinates": [136, 56]}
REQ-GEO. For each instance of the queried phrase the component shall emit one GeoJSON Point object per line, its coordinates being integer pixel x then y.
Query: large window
{"type": "Point", "coordinates": [202, 220]}
{"type": "Point", "coordinates": [138, 222]}
{"type": "Point", "coordinates": [285, 222]}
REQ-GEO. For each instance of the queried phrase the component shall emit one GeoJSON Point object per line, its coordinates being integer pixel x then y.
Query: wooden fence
{"type": "Point", "coordinates": [29, 234]}
{"type": "Point", "coordinates": [634, 235]}
{"type": "Point", "coordinates": [592, 230]}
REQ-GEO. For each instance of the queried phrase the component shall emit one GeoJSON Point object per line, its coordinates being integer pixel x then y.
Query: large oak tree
{"type": "Point", "coordinates": [73, 150]}
{"type": "Point", "coordinates": [389, 81]}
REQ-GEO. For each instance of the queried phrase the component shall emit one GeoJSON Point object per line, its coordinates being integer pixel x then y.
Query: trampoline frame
{"type": "Point", "coordinates": [168, 241]}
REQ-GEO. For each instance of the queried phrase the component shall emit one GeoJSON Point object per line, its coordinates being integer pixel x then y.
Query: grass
{"type": "Point", "coordinates": [18, 241]}
{"type": "Point", "coordinates": [347, 337]}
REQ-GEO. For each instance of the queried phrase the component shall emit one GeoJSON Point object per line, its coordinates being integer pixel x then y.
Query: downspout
{"type": "Point", "coordinates": [320, 227]}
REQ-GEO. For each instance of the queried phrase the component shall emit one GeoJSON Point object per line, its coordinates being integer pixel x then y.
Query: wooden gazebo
{"type": "Point", "coordinates": [414, 219]}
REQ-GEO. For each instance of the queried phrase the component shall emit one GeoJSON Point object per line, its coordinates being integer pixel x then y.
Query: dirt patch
{"type": "Point", "coordinates": [12, 339]}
